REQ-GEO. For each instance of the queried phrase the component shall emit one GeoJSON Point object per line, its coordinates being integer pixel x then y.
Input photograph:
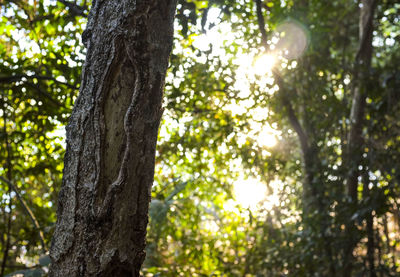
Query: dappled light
{"type": "Point", "coordinates": [277, 152]}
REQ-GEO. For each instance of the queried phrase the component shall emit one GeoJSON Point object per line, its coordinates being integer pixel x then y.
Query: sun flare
{"type": "Point", "coordinates": [267, 138]}
{"type": "Point", "coordinates": [249, 193]}
{"type": "Point", "coordinates": [263, 64]}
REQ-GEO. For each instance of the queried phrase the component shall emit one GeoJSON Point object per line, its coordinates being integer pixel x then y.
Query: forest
{"type": "Point", "coordinates": [278, 151]}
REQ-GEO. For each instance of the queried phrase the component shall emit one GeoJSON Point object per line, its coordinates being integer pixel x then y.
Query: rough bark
{"type": "Point", "coordinates": [111, 140]}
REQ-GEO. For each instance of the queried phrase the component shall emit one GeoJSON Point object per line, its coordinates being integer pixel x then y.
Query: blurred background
{"type": "Point", "coordinates": [255, 157]}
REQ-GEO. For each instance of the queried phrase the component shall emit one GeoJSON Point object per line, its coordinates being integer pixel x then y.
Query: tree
{"type": "Point", "coordinates": [314, 196]}
{"type": "Point", "coordinates": [111, 139]}
{"type": "Point", "coordinates": [218, 105]}
{"type": "Point", "coordinates": [355, 139]}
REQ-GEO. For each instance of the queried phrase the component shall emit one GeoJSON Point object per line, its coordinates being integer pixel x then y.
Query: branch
{"type": "Point", "coordinates": [294, 121]}
{"type": "Point", "coordinates": [74, 9]}
{"type": "Point", "coordinates": [46, 95]}
{"type": "Point", "coordinates": [28, 211]}
{"type": "Point", "coordinates": [261, 24]}
{"type": "Point", "coordinates": [18, 77]}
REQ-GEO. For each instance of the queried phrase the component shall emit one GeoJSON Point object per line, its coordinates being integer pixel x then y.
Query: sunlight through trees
{"type": "Point", "coordinates": [277, 152]}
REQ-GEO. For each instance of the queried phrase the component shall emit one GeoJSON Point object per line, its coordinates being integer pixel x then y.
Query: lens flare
{"type": "Point", "coordinates": [294, 39]}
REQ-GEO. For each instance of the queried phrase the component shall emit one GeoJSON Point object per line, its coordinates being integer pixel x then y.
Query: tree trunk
{"type": "Point", "coordinates": [355, 139]}
{"type": "Point", "coordinates": [111, 139]}
{"type": "Point", "coordinates": [313, 189]}
{"type": "Point", "coordinates": [360, 78]}
{"type": "Point", "coordinates": [6, 245]}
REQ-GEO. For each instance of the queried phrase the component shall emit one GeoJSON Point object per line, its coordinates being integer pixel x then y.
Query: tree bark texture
{"type": "Point", "coordinates": [111, 139]}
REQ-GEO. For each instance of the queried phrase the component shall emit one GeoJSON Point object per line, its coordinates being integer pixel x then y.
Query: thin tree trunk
{"type": "Point", "coordinates": [369, 229]}
{"type": "Point", "coordinates": [313, 191]}
{"type": "Point", "coordinates": [7, 240]}
{"type": "Point", "coordinates": [111, 139]}
{"type": "Point", "coordinates": [360, 78]}
{"type": "Point", "coordinates": [391, 250]}
{"type": "Point", "coordinates": [355, 138]}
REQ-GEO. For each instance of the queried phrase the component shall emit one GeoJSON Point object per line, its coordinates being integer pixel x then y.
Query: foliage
{"type": "Point", "coordinates": [40, 59]}
{"type": "Point", "coordinates": [216, 112]}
